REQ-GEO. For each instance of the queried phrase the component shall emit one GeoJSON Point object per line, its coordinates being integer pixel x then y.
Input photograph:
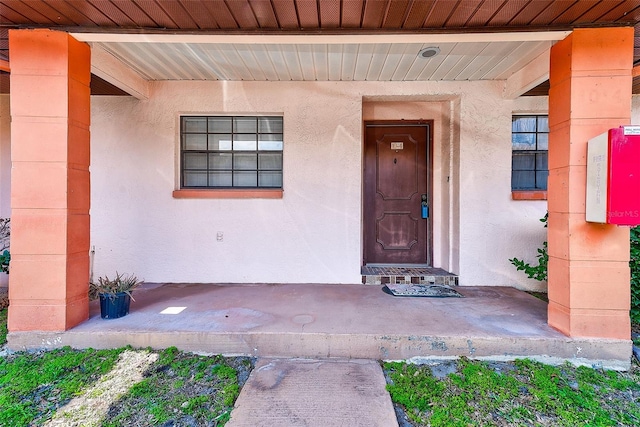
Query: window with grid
{"type": "Point", "coordinates": [231, 152]}
{"type": "Point", "coordinates": [530, 144]}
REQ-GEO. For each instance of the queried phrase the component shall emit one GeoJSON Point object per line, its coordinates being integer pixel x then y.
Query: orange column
{"type": "Point", "coordinates": [589, 291]}
{"type": "Point", "coordinates": [50, 188]}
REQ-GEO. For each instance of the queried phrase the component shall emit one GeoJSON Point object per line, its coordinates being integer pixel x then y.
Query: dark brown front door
{"type": "Point", "coordinates": [396, 173]}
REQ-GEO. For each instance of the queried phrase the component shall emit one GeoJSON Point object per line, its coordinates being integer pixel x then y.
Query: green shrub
{"type": "Point", "coordinates": [5, 257]}
{"type": "Point", "coordinates": [5, 233]}
{"type": "Point", "coordinates": [538, 272]}
{"type": "Point", "coordinates": [634, 264]}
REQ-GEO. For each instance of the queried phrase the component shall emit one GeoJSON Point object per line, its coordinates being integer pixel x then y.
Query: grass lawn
{"type": "Point", "coordinates": [118, 387]}
{"type": "Point", "coordinates": [3, 326]}
{"type": "Point", "coordinates": [523, 393]}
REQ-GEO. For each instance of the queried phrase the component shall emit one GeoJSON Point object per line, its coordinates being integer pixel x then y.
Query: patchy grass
{"type": "Point", "coordinates": [33, 386]}
{"type": "Point", "coordinates": [152, 388]}
{"type": "Point", "coordinates": [523, 393]}
{"type": "Point", "coordinates": [3, 326]}
{"type": "Point", "coordinates": [183, 388]}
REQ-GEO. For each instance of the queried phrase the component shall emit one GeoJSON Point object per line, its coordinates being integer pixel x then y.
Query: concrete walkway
{"type": "Point", "coordinates": [310, 393]}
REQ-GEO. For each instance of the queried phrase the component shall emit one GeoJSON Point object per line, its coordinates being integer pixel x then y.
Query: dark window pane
{"type": "Point", "coordinates": [195, 124]}
{"type": "Point", "coordinates": [530, 142]}
{"type": "Point", "coordinates": [194, 141]}
{"type": "Point", "coordinates": [195, 178]}
{"type": "Point", "coordinates": [523, 180]}
{"type": "Point", "coordinates": [523, 124]}
{"type": "Point", "coordinates": [523, 141]}
{"type": "Point", "coordinates": [270, 179]}
{"type": "Point", "coordinates": [523, 162]}
{"type": "Point", "coordinates": [245, 179]}
{"type": "Point", "coordinates": [220, 124]}
{"type": "Point", "coordinates": [270, 161]}
{"type": "Point", "coordinates": [220, 179]}
{"type": "Point", "coordinates": [541, 162]}
{"type": "Point", "coordinates": [220, 161]}
{"type": "Point", "coordinates": [541, 180]}
{"type": "Point", "coordinates": [195, 161]}
{"type": "Point", "coordinates": [226, 151]}
{"type": "Point", "coordinates": [245, 125]}
{"type": "Point", "coordinates": [245, 162]}
{"type": "Point", "coordinates": [270, 124]}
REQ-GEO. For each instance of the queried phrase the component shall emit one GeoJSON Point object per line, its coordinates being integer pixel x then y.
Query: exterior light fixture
{"type": "Point", "coordinates": [429, 52]}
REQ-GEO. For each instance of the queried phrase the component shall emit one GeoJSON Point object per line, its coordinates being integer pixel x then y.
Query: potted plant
{"type": "Point", "coordinates": [115, 294]}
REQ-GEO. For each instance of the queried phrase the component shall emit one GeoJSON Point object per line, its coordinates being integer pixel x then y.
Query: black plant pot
{"type": "Point", "coordinates": [113, 306]}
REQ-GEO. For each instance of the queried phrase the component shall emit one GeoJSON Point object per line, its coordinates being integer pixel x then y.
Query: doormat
{"type": "Point", "coordinates": [416, 290]}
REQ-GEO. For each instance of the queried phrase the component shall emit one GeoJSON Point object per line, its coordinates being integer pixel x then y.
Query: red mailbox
{"type": "Point", "coordinates": [613, 177]}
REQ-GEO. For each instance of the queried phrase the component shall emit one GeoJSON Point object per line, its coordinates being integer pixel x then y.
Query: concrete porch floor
{"type": "Point", "coordinates": [342, 321]}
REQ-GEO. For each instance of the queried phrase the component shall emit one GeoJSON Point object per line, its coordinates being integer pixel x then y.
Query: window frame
{"type": "Point", "coordinates": [232, 170]}
{"type": "Point", "coordinates": [536, 193]}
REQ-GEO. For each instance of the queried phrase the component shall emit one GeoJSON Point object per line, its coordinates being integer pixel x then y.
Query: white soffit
{"type": "Point", "coordinates": [485, 56]}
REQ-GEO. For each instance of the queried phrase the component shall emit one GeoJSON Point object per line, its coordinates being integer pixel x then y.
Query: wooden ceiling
{"type": "Point", "coordinates": [407, 15]}
{"type": "Point", "coordinates": [314, 16]}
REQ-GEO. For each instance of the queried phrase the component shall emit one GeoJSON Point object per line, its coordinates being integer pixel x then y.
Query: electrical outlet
{"type": "Point", "coordinates": [220, 236]}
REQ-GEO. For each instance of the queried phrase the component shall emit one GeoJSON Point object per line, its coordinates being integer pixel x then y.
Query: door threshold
{"type": "Point", "coordinates": [399, 265]}
{"type": "Point", "coordinates": [383, 274]}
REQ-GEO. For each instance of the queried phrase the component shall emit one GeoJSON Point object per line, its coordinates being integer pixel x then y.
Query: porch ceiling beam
{"type": "Point", "coordinates": [528, 77]}
{"type": "Point", "coordinates": [321, 38]}
{"type": "Point", "coordinates": [112, 70]}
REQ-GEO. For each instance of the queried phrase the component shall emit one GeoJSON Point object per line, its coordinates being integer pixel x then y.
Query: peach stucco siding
{"type": "Point", "coordinates": [142, 150]}
{"type": "Point", "coordinates": [589, 292]}
{"type": "Point", "coordinates": [525, 235]}
{"type": "Point", "coordinates": [313, 234]}
{"type": "Point", "coordinates": [50, 186]}
{"type": "Point", "coordinates": [166, 239]}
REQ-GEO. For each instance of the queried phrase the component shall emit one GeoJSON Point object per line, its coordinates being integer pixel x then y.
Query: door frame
{"type": "Point", "coordinates": [428, 124]}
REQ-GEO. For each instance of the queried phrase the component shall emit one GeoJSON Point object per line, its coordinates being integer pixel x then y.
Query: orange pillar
{"type": "Point", "coordinates": [589, 290]}
{"type": "Point", "coordinates": [50, 186]}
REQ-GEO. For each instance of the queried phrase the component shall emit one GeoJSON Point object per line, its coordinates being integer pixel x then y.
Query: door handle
{"type": "Point", "coordinates": [424, 207]}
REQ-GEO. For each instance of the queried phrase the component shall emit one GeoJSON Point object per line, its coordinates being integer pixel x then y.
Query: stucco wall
{"type": "Point", "coordinates": [5, 166]}
{"type": "Point", "coordinates": [526, 215]}
{"type": "Point", "coordinates": [313, 234]}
